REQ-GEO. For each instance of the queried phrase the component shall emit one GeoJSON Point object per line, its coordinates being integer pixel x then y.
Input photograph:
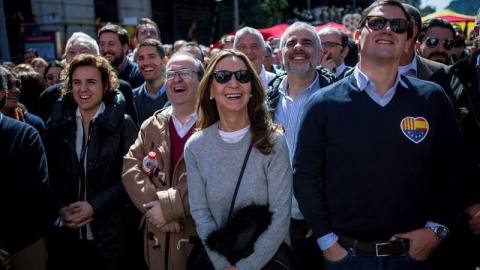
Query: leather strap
{"type": "Point", "coordinates": [239, 180]}
{"type": "Point", "coordinates": [386, 248]}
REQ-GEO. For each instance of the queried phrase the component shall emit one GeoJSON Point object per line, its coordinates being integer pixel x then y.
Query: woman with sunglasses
{"type": "Point", "coordinates": [232, 116]}
{"type": "Point", "coordinates": [86, 139]}
{"type": "Point", "coordinates": [14, 109]}
{"type": "Point", "coordinates": [52, 72]}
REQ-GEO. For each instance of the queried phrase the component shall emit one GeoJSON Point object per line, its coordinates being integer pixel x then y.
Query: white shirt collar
{"type": "Point", "coordinates": [182, 130]}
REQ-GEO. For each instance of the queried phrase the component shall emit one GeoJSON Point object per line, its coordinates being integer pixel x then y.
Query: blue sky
{"type": "Point", "coordinates": [439, 4]}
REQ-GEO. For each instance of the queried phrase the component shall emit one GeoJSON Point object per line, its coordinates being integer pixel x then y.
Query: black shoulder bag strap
{"type": "Point", "coordinates": [240, 179]}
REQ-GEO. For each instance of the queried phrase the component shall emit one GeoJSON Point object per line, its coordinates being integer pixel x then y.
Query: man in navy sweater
{"type": "Point", "coordinates": [380, 161]}
{"type": "Point", "coordinates": [23, 190]}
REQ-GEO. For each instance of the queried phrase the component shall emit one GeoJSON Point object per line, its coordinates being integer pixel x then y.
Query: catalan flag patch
{"type": "Point", "coordinates": [414, 128]}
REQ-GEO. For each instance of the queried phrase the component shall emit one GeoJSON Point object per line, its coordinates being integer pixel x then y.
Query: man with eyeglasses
{"type": "Point", "coordinates": [168, 223]}
{"type": "Point", "coordinates": [461, 82]}
{"type": "Point", "coordinates": [151, 95]}
{"type": "Point", "coordinates": [411, 64]}
{"type": "Point", "coordinates": [300, 49]}
{"type": "Point", "coordinates": [436, 40]}
{"type": "Point", "coordinates": [335, 49]}
{"type": "Point", "coordinates": [379, 162]}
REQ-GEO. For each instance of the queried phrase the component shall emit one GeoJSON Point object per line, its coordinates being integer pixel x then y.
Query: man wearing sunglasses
{"type": "Point", "coordinates": [379, 162]}
{"type": "Point", "coordinates": [436, 40]}
{"type": "Point", "coordinates": [459, 50]}
{"type": "Point", "coordinates": [301, 50]}
{"type": "Point", "coordinates": [461, 83]}
{"type": "Point", "coordinates": [335, 49]}
{"type": "Point", "coordinates": [411, 64]}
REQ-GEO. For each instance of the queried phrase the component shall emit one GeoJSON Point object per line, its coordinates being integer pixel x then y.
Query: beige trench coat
{"type": "Point", "coordinates": [154, 136]}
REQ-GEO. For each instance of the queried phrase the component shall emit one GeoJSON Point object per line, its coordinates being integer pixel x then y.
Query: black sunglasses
{"type": "Point", "coordinates": [50, 76]}
{"type": "Point", "coordinates": [376, 23]}
{"type": "Point", "coordinates": [224, 76]}
{"type": "Point", "coordinates": [17, 84]}
{"type": "Point", "coordinates": [431, 42]}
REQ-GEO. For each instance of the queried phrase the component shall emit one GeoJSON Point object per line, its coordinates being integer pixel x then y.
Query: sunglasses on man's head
{"type": "Point", "coordinates": [16, 83]}
{"type": "Point", "coordinates": [50, 76]}
{"type": "Point", "coordinates": [377, 23]}
{"type": "Point", "coordinates": [431, 42]}
{"type": "Point", "coordinates": [224, 76]}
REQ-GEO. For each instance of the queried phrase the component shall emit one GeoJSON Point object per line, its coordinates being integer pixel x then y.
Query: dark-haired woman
{"type": "Point", "coordinates": [86, 139]}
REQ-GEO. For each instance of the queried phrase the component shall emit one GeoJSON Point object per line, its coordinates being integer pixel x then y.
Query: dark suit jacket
{"type": "Point", "coordinates": [426, 67]}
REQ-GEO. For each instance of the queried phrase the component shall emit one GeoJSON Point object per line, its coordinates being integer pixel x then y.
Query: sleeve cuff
{"type": "Point", "coordinates": [327, 241]}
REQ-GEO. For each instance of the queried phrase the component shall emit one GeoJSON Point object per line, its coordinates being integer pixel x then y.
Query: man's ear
{"type": "Point", "coordinates": [345, 51]}
{"type": "Point", "coordinates": [417, 47]}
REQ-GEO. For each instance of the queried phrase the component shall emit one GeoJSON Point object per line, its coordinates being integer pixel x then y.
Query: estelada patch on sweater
{"type": "Point", "coordinates": [414, 128]}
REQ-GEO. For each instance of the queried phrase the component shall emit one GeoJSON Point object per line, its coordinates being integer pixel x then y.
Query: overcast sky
{"type": "Point", "coordinates": [439, 4]}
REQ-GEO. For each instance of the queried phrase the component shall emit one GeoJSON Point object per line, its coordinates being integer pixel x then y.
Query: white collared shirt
{"type": "Point", "coordinates": [411, 69]}
{"type": "Point", "coordinates": [78, 148]}
{"type": "Point", "coordinates": [182, 129]}
{"type": "Point", "coordinates": [266, 77]}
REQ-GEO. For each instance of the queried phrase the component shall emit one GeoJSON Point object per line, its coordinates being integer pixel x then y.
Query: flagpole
{"type": "Point", "coordinates": [235, 15]}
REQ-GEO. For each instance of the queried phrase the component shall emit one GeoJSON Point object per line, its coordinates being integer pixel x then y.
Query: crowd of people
{"type": "Point", "coordinates": [363, 149]}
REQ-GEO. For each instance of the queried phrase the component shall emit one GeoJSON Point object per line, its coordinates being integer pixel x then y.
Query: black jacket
{"type": "Point", "coordinates": [460, 82]}
{"type": "Point", "coordinates": [326, 77]}
{"type": "Point", "coordinates": [111, 135]}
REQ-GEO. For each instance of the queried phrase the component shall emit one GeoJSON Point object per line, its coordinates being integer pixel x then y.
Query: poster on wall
{"type": "Point", "coordinates": [46, 44]}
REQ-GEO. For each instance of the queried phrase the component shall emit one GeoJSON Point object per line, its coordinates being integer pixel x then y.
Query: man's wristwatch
{"type": "Point", "coordinates": [440, 231]}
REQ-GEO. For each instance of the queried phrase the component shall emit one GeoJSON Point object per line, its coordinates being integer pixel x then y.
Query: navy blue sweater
{"type": "Point", "coordinates": [378, 174]}
{"type": "Point", "coordinates": [23, 185]}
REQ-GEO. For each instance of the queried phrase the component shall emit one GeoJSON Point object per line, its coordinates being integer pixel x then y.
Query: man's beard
{"type": "Point", "coordinates": [299, 71]}
{"type": "Point", "coordinates": [117, 61]}
{"type": "Point", "coordinates": [442, 54]}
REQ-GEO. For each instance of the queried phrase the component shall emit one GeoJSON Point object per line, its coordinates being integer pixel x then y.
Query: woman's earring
{"type": "Point", "coordinates": [211, 98]}
{"type": "Point", "coordinates": [251, 95]}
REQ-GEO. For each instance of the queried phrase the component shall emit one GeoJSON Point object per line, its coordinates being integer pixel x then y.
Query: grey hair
{"type": "Point", "coordinates": [302, 26]}
{"type": "Point", "coordinates": [249, 30]}
{"type": "Point", "coordinates": [91, 43]}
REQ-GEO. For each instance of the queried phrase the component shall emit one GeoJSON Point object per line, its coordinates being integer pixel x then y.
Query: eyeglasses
{"type": "Point", "coordinates": [50, 76]}
{"type": "Point", "coordinates": [459, 43]}
{"type": "Point", "coordinates": [16, 83]}
{"type": "Point", "coordinates": [376, 23]}
{"type": "Point", "coordinates": [224, 76]}
{"type": "Point", "coordinates": [431, 42]}
{"type": "Point", "coordinates": [182, 73]}
{"type": "Point", "coordinates": [329, 44]}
